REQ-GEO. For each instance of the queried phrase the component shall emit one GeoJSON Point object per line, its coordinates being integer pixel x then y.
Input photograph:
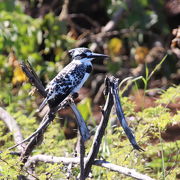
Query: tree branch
{"type": "Point", "coordinates": [116, 18]}
{"type": "Point", "coordinates": [110, 26]}
{"type": "Point", "coordinates": [84, 132]}
{"type": "Point", "coordinates": [33, 78]}
{"type": "Point", "coordinates": [38, 137]}
{"type": "Point", "coordinates": [12, 126]}
{"type": "Point", "coordinates": [121, 116]}
{"type": "Point", "coordinates": [100, 131]}
{"type": "Point", "coordinates": [112, 167]}
{"type": "Point", "coordinates": [123, 170]}
{"type": "Point", "coordinates": [84, 135]}
{"type": "Point", "coordinates": [82, 156]}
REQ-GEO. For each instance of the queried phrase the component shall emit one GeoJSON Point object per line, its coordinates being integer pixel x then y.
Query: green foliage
{"type": "Point", "coordinates": [31, 39]}
{"type": "Point", "coordinates": [170, 95]}
{"type": "Point", "coordinates": [10, 5]}
{"type": "Point", "coordinates": [85, 108]}
{"type": "Point", "coordinates": [9, 166]}
{"type": "Point", "coordinates": [149, 17]}
{"type": "Point", "coordinates": [160, 158]}
{"type": "Point", "coordinates": [18, 33]}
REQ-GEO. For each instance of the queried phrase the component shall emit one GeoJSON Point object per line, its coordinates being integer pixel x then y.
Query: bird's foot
{"type": "Point", "coordinates": [75, 95]}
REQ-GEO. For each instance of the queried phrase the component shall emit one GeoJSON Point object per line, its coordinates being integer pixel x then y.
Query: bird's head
{"type": "Point", "coordinates": [84, 54]}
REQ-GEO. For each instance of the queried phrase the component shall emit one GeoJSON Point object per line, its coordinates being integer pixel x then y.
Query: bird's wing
{"type": "Point", "coordinates": [64, 83]}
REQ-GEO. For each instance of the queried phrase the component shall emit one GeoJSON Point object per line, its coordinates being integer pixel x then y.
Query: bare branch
{"type": "Point", "coordinates": [42, 126]}
{"type": "Point", "coordinates": [116, 18]}
{"type": "Point", "coordinates": [38, 137]}
{"type": "Point", "coordinates": [123, 170]}
{"type": "Point", "coordinates": [12, 126]}
{"type": "Point", "coordinates": [82, 156]}
{"type": "Point", "coordinates": [112, 167]}
{"type": "Point", "coordinates": [84, 132]}
{"type": "Point", "coordinates": [110, 26]}
{"type": "Point", "coordinates": [14, 153]}
{"type": "Point", "coordinates": [84, 135]}
{"type": "Point", "coordinates": [99, 132]}
{"type": "Point", "coordinates": [121, 116]}
{"type": "Point", "coordinates": [30, 73]}
{"type": "Point", "coordinates": [64, 12]}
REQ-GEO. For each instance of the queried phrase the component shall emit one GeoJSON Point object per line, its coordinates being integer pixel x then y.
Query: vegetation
{"type": "Point", "coordinates": [141, 57]}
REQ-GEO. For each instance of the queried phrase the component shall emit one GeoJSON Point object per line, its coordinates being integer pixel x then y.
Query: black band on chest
{"type": "Point", "coordinates": [88, 69]}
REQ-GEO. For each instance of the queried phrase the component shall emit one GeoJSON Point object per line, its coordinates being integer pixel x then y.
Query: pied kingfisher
{"type": "Point", "coordinates": [71, 78]}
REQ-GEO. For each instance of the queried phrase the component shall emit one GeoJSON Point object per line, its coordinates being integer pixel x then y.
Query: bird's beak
{"type": "Point", "coordinates": [96, 55]}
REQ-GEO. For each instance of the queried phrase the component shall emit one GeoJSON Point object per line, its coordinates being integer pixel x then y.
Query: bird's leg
{"type": "Point", "coordinates": [75, 95]}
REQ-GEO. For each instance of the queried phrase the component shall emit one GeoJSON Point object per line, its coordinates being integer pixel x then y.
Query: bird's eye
{"type": "Point", "coordinates": [83, 55]}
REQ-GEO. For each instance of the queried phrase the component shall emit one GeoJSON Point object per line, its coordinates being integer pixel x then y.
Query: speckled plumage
{"type": "Point", "coordinates": [66, 83]}
{"type": "Point", "coordinates": [71, 78]}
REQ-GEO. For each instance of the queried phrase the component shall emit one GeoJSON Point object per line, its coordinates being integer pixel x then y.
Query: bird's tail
{"type": "Point", "coordinates": [43, 104]}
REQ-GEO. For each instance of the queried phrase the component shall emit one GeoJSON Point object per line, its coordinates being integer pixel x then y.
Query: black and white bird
{"type": "Point", "coordinates": [71, 78]}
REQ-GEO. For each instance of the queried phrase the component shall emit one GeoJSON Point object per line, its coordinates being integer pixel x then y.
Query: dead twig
{"type": "Point", "coordinates": [121, 116]}
{"type": "Point", "coordinates": [100, 130]}
{"type": "Point", "coordinates": [14, 153]}
{"type": "Point", "coordinates": [33, 78]}
{"type": "Point", "coordinates": [123, 170]}
{"type": "Point", "coordinates": [12, 126]}
{"type": "Point", "coordinates": [82, 156]}
{"type": "Point", "coordinates": [116, 18]}
{"type": "Point", "coordinates": [112, 98]}
{"type": "Point", "coordinates": [112, 167]}
{"type": "Point", "coordinates": [42, 126]}
{"type": "Point", "coordinates": [38, 137]}
{"type": "Point", "coordinates": [84, 135]}
{"type": "Point", "coordinates": [84, 132]}
{"type": "Point", "coordinates": [110, 26]}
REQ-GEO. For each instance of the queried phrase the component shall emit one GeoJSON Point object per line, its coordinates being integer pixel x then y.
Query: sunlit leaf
{"type": "Point", "coordinates": [115, 46]}
{"type": "Point", "coordinates": [18, 76]}
{"type": "Point", "coordinates": [140, 54]}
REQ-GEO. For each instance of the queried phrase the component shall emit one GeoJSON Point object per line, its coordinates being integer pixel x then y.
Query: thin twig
{"type": "Point", "coordinates": [82, 156]}
{"type": "Point", "coordinates": [40, 129]}
{"type": "Point", "coordinates": [38, 138]}
{"type": "Point", "coordinates": [110, 26]}
{"type": "Point", "coordinates": [123, 170]}
{"type": "Point", "coordinates": [14, 153]}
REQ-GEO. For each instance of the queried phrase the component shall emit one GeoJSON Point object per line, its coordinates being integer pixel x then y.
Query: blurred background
{"type": "Point", "coordinates": [136, 34]}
